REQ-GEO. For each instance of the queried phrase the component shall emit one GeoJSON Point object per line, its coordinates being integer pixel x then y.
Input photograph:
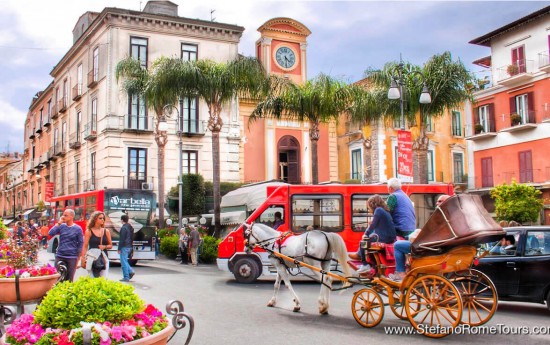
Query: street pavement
{"type": "Point", "coordinates": [229, 313]}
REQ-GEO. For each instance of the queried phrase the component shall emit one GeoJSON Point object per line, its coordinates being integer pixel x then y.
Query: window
{"type": "Point", "coordinates": [62, 178]}
{"type": "Point", "coordinates": [356, 164]}
{"type": "Point", "coordinates": [361, 217]}
{"type": "Point", "coordinates": [79, 80]}
{"type": "Point", "coordinates": [49, 109]}
{"type": "Point", "coordinates": [93, 119]}
{"type": "Point", "coordinates": [189, 117]}
{"type": "Point", "coordinates": [429, 124]}
{"type": "Point", "coordinates": [456, 125]}
{"type": "Point", "coordinates": [137, 111]}
{"type": "Point", "coordinates": [523, 105]}
{"type": "Point", "coordinates": [431, 165]}
{"type": "Point", "coordinates": [92, 171]}
{"type": "Point", "coordinates": [518, 59]}
{"type": "Point", "coordinates": [487, 172]}
{"type": "Point", "coordinates": [65, 93]}
{"type": "Point", "coordinates": [41, 116]}
{"type": "Point", "coordinates": [324, 212]}
{"type": "Point", "coordinates": [77, 176]}
{"type": "Point", "coordinates": [458, 167]}
{"type": "Point", "coordinates": [525, 167]}
{"type": "Point", "coordinates": [538, 243]}
{"type": "Point", "coordinates": [63, 135]}
{"type": "Point", "coordinates": [189, 52]}
{"type": "Point", "coordinates": [137, 167]}
{"type": "Point", "coordinates": [138, 50]}
{"type": "Point", "coordinates": [78, 124]}
{"type": "Point", "coordinates": [484, 117]}
{"type": "Point", "coordinates": [190, 162]}
{"type": "Point", "coordinates": [95, 64]}
{"type": "Point", "coordinates": [398, 124]}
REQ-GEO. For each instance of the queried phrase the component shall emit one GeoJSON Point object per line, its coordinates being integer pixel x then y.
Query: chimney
{"type": "Point", "coordinates": [161, 7]}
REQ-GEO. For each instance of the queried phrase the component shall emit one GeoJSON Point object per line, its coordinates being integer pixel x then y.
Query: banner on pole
{"type": "Point", "coordinates": [404, 156]}
{"type": "Point", "coordinates": [49, 191]}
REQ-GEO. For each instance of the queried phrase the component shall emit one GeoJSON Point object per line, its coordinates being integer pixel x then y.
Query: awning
{"type": "Point", "coordinates": [7, 221]}
{"type": "Point", "coordinates": [27, 212]}
{"type": "Point", "coordinates": [250, 196]}
{"type": "Point", "coordinates": [232, 218]}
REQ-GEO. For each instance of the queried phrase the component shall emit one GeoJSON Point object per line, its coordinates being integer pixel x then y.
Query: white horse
{"type": "Point", "coordinates": [314, 247]}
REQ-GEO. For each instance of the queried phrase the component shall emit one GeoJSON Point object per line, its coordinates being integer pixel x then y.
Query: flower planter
{"type": "Point", "coordinates": [159, 338]}
{"type": "Point", "coordinates": [3, 263]}
{"type": "Point", "coordinates": [30, 289]}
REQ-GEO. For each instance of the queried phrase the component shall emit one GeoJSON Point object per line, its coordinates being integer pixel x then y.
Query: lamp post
{"type": "Point", "coordinates": [168, 112]}
{"type": "Point", "coordinates": [396, 89]}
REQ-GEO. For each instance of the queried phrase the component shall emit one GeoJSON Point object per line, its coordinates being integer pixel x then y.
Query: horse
{"type": "Point", "coordinates": [315, 247]}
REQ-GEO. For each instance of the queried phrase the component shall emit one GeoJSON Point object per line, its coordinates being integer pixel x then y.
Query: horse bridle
{"type": "Point", "coordinates": [258, 243]}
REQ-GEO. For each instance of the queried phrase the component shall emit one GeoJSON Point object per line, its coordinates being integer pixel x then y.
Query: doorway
{"type": "Point", "coordinates": [288, 152]}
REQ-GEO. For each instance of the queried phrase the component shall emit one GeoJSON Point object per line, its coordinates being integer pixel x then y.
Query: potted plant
{"type": "Point", "coordinates": [479, 128]}
{"type": "Point", "coordinates": [515, 119]}
{"type": "Point", "coordinates": [107, 311]}
{"type": "Point", "coordinates": [512, 70]}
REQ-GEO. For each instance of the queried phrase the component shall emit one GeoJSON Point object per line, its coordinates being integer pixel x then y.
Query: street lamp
{"type": "Point", "coordinates": [168, 111]}
{"type": "Point", "coordinates": [396, 89]}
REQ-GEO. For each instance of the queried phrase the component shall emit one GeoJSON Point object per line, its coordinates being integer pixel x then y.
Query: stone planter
{"type": "Point", "coordinates": [30, 289]}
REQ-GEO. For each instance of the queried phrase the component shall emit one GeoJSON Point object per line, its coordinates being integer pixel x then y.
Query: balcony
{"type": "Point", "coordinates": [89, 184]}
{"type": "Point", "coordinates": [74, 141]}
{"type": "Point", "coordinates": [90, 131]}
{"type": "Point", "coordinates": [55, 113]}
{"type": "Point", "coordinates": [51, 154]}
{"type": "Point", "coordinates": [39, 128]}
{"type": "Point", "coordinates": [44, 159]}
{"type": "Point", "coordinates": [77, 92]}
{"type": "Point", "coordinates": [60, 149]}
{"type": "Point", "coordinates": [62, 105]}
{"type": "Point", "coordinates": [32, 135]}
{"type": "Point", "coordinates": [483, 132]}
{"type": "Point", "coordinates": [93, 77]}
{"type": "Point", "coordinates": [521, 122]}
{"type": "Point", "coordinates": [47, 122]}
{"type": "Point", "coordinates": [517, 73]}
{"type": "Point", "coordinates": [30, 166]}
{"type": "Point", "coordinates": [533, 175]}
{"type": "Point", "coordinates": [544, 62]}
{"type": "Point", "coordinates": [138, 124]}
{"type": "Point", "coordinates": [193, 128]}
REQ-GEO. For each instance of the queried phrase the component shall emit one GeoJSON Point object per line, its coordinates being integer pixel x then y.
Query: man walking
{"type": "Point", "coordinates": [71, 240]}
{"type": "Point", "coordinates": [194, 241]}
{"type": "Point", "coordinates": [125, 248]}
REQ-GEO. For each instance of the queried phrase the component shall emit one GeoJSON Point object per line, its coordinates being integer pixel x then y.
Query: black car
{"type": "Point", "coordinates": [521, 270]}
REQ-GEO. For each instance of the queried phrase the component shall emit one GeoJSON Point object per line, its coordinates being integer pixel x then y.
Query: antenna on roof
{"type": "Point", "coordinates": [140, 5]}
{"type": "Point", "coordinates": [211, 17]}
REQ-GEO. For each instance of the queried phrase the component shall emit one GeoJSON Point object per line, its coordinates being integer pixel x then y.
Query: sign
{"type": "Point", "coordinates": [49, 191]}
{"type": "Point", "coordinates": [404, 156]}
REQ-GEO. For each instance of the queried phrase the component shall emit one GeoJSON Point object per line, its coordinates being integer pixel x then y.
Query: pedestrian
{"type": "Point", "coordinates": [194, 241]}
{"type": "Point", "coordinates": [71, 240]}
{"type": "Point", "coordinates": [99, 238]}
{"type": "Point", "coordinates": [157, 242]}
{"type": "Point", "coordinates": [401, 209]}
{"type": "Point", "coordinates": [44, 233]}
{"type": "Point", "coordinates": [33, 229]}
{"type": "Point", "coordinates": [182, 245]}
{"type": "Point", "coordinates": [20, 232]}
{"type": "Point", "coordinates": [125, 247]}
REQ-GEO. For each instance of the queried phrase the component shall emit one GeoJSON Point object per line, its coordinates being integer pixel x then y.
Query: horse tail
{"type": "Point", "coordinates": [339, 249]}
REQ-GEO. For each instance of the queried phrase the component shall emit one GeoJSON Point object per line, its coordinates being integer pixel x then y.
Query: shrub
{"type": "Point", "coordinates": [169, 246]}
{"type": "Point", "coordinates": [518, 202]}
{"type": "Point", "coordinates": [89, 300]}
{"type": "Point", "coordinates": [166, 232]}
{"type": "Point", "coordinates": [3, 230]}
{"type": "Point", "coordinates": [209, 248]}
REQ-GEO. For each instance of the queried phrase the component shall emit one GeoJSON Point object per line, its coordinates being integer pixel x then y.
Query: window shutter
{"type": "Point", "coordinates": [531, 107]}
{"type": "Point", "coordinates": [513, 105]}
{"type": "Point", "coordinates": [491, 110]}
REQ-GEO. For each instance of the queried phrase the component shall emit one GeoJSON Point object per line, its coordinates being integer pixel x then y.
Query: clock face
{"type": "Point", "coordinates": [285, 57]}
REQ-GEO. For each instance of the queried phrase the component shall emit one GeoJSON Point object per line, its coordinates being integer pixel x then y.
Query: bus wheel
{"type": "Point", "coordinates": [132, 262]}
{"type": "Point", "coordinates": [246, 270]}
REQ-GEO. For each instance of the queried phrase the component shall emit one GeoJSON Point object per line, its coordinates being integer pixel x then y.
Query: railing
{"type": "Point", "coordinates": [62, 105]}
{"type": "Point", "coordinates": [90, 131]}
{"type": "Point", "coordinates": [89, 184]}
{"type": "Point", "coordinates": [137, 123]}
{"type": "Point", "coordinates": [77, 91]}
{"type": "Point", "coordinates": [47, 121]}
{"type": "Point", "coordinates": [60, 149]}
{"type": "Point", "coordinates": [32, 135]}
{"type": "Point", "coordinates": [51, 154]}
{"type": "Point", "coordinates": [193, 127]}
{"type": "Point", "coordinates": [520, 67]}
{"type": "Point", "coordinates": [30, 165]}
{"type": "Point", "coordinates": [74, 141]}
{"type": "Point", "coordinates": [44, 158]}
{"type": "Point", "coordinates": [535, 175]}
{"type": "Point", "coordinates": [516, 119]}
{"type": "Point", "coordinates": [39, 127]}
{"type": "Point", "coordinates": [55, 113]}
{"type": "Point", "coordinates": [544, 60]}
{"type": "Point", "coordinates": [93, 77]}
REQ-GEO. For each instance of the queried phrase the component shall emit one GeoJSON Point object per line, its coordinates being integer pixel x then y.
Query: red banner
{"type": "Point", "coordinates": [49, 191]}
{"type": "Point", "coordinates": [404, 156]}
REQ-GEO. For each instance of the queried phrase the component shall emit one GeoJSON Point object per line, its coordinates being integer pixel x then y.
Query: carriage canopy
{"type": "Point", "coordinates": [460, 220]}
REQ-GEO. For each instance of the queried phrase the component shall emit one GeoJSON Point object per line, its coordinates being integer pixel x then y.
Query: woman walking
{"type": "Point", "coordinates": [96, 237]}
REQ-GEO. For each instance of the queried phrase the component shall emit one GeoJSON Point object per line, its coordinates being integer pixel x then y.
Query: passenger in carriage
{"type": "Point", "coordinates": [381, 227]}
{"type": "Point", "coordinates": [402, 248]}
{"type": "Point", "coordinates": [401, 209]}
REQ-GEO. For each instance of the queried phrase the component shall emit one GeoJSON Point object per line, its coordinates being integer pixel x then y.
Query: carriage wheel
{"type": "Point", "coordinates": [398, 308]}
{"type": "Point", "coordinates": [479, 296]}
{"type": "Point", "coordinates": [367, 307]}
{"type": "Point", "coordinates": [433, 306]}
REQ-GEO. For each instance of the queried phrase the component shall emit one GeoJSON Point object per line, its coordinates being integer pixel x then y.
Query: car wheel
{"type": "Point", "coordinates": [246, 270]}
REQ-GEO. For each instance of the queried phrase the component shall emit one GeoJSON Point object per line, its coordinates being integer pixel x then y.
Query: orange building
{"type": "Point", "coordinates": [510, 126]}
{"type": "Point", "coordinates": [280, 149]}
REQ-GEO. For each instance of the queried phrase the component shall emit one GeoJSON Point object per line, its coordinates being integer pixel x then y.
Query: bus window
{"type": "Point", "coordinates": [78, 213]}
{"type": "Point", "coordinates": [79, 202]}
{"type": "Point", "coordinates": [268, 216]}
{"type": "Point", "coordinates": [58, 213]}
{"type": "Point", "coordinates": [323, 212]}
{"type": "Point", "coordinates": [69, 202]}
{"type": "Point", "coordinates": [60, 204]}
{"type": "Point", "coordinates": [90, 205]}
{"type": "Point", "coordinates": [360, 216]}
{"type": "Point", "coordinates": [424, 206]}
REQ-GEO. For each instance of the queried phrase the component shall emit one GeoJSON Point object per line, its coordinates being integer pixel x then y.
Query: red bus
{"type": "Point", "coordinates": [138, 204]}
{"type": "Point", "coordinates": [339, 208]}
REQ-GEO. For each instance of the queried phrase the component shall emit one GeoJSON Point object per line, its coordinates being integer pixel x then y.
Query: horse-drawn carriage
{"type": "Point", "coordinates": [441, 288]}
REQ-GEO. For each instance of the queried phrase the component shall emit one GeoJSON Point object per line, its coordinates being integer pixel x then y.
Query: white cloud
{"type": "Point", "coordinates": [11, 115]}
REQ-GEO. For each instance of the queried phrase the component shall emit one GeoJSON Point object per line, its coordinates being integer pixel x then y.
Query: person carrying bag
{"type": "Point", "coordinates": [96, 241]}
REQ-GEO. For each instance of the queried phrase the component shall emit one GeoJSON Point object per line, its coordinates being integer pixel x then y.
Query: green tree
{"type": "Point", "coordinates": [446, 80]}
{"type": "Point", "coordinates": [193, 196]}
{"type": "Point", "coordinates": [154, 85]}
{"type": "Point", "coordinates": [317, 101]}
{"type": "Point", "coordinates": [217, 84]}
{"type": "Point", "coordinates": [516, 201]}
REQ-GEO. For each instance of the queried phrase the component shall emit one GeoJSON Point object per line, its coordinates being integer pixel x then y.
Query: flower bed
{"type": "Point", "coordinates": [27, 272]}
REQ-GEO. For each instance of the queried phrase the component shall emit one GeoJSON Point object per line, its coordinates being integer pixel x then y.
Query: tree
{"type": "Point", "coordinates": [519, 202]}
{"type": "Point", "coordinates": [154, 86]}
{"type": "Point", "coordinates": [446, 81]}
{"type": "Point", "coordinates": [217, 84]}
{"type": "Point", "coordinates": [317, 101]}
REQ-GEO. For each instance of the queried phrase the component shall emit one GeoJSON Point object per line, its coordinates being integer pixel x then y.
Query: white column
{"type": "Point", "coordinates": [270, 150]}
{"type": "Point", "coordinates": [306, 158]}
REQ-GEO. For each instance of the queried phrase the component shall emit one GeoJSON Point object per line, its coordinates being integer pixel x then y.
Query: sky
{"type": "Point", "coordinates": [347, 38]}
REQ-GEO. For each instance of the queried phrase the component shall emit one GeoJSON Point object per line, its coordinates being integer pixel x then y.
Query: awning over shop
{"type": "Point", "coordinates": [8, 221]}
{"type": "Point", "coordinates": [250, 196]}
{"type": "Point", "coordinates": [232, 218]}
{"type": "Point", "coordinates": [27, 212]}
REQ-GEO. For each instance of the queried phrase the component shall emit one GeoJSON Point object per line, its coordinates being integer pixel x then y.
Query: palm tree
{"type": "Point", "coordinates": [446, 80]}
{"type": "Point", "coordinates": [217, 84]}
{"type": "Point", "coordinates": [317, 101]}
{"type": "Point", "coordinates": [155, 88]}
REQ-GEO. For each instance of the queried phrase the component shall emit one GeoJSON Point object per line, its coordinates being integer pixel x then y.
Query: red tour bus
{"type": "Point", "coordinates": [138, 204]}
{"type": "Point", "coordinates": [340, 208]}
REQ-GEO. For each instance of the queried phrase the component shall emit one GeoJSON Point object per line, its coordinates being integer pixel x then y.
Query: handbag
{"type": "Point", "coordinates": [100, 263]}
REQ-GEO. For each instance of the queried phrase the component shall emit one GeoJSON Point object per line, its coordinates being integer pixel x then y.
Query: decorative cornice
{"type": "Point", "coordinates": [302, 29]}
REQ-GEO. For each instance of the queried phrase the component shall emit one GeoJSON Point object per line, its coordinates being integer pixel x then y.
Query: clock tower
{"type": "Point", "coordinates": [282, 48]}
